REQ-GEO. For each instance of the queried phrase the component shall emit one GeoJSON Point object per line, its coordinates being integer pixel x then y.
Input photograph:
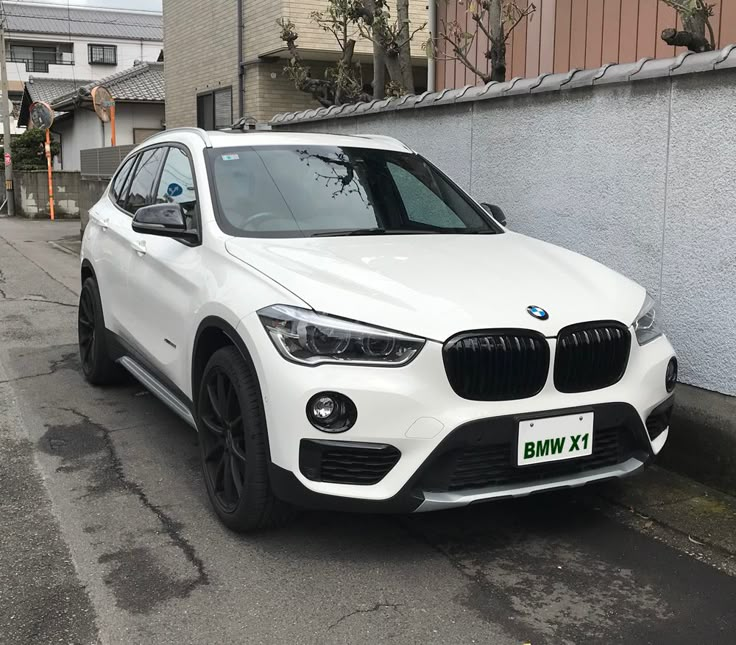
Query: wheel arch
{"type": "Point", "coordinates": [87, 271]}
{"type": "Point", "coordinates": [212, 334]}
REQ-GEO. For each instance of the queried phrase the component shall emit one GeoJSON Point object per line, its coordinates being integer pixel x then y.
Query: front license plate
{"type": "Point", "coordinates": [555, 438]}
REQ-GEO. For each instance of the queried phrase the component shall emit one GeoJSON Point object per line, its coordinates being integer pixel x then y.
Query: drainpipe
{"type": "Point", "coordinates": [241, 67]}
{"type": "Point", "coordinates": [432, 61]}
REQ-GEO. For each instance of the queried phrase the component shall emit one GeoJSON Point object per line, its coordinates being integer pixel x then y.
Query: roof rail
{"type": "Point", "coordinates": [202, 134]}
{"type": "Point", "coordinates": [383, 138]}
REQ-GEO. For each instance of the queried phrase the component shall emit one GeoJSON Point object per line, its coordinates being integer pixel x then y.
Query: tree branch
{"type": "Point", "coordinates": [463, 58]}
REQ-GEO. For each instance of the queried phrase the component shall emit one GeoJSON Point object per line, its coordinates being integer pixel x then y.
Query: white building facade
{"type": "Point", "coordinates": [76, 43]}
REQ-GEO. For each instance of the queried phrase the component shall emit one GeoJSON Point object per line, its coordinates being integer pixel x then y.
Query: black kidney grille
{"type": "Point", "coordinates": [591, 356]}
{"type": "Point", "coordinates": [494, 465]}
{"type": "Point", "coordinates": [497, 366]}
{"type": "Point", "coordinates": [346, 462]}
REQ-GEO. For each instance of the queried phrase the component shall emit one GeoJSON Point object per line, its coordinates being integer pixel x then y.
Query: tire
{"type": "Point", "coordinates": [234, 445]}
{"type": "Point", "coordinates": [97, 366]}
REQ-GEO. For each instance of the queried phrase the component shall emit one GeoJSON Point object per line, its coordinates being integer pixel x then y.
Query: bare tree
{"type": "Point", "coordinates": [346, 20]}
{"type": "Point", "coordinates": [342, 82]}
{"type": "Point", "coordinates": [695, 16]}
{"type": "Point", "coordinates": [495, 19]}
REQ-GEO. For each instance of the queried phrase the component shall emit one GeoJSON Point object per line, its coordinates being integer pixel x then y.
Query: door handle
{"type": "Point", "coordinates": [105, 223]}
{"type": "Point", "coordinates": [139, 246]}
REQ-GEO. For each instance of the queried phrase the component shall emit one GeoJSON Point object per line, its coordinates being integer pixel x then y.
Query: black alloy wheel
{"type": "Point", "coordinates": [223, 439]}
{"type": "Point", "coordinates": [233, 443]}
{"type": "Point", "coordinates": [97, 366]}
{"type": "Point", "coordinates": [86, 329]}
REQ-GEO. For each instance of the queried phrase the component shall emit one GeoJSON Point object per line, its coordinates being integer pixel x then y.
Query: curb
{"type": "Point", "coordinates": [702, 440]}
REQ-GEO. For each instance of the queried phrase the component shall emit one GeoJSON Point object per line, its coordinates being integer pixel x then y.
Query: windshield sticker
{"type": "Point", "coordinates": [232, 157]}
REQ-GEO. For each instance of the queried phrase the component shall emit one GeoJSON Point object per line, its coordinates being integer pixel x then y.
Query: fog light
{"type": "Point", "coordinates": [670, 377]}
{"type": "Point", "coordinates": [323, 408]}
{"type": "Point", "coordinates": [331, 412]}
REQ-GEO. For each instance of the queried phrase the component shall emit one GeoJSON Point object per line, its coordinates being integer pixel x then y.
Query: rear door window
{"type": "Point", "coordinates": [118, 184]}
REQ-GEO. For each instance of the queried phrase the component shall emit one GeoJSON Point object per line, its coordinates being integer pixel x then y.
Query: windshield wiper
{"type": "Point", "coordinates": [356, 231]}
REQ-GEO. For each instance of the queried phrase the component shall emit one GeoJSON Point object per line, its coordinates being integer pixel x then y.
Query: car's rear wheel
{"type": "Point", "coordinates": [97, 366]}
{"type": "Point", "coordinates": [233, 444]}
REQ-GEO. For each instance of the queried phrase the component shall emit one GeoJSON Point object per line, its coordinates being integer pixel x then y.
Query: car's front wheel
{"type": "Point", "coordinates": [233, 444]}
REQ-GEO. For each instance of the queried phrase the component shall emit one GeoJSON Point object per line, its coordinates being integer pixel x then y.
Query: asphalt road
{"type": "Point", "coordinates": [106, 534]}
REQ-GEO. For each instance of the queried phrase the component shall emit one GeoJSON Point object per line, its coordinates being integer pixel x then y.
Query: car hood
{"type": "Point", "coordinates": [438, 285]}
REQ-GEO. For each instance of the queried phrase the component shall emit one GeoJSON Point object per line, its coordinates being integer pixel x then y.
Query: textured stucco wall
{"type": "Point", "coordinates": [640, 176]}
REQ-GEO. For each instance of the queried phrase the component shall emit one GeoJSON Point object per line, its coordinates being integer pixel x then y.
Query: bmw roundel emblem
{"type": "Point", "coordinates": [537, 312]}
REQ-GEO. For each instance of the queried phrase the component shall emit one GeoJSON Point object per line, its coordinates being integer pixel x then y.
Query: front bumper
{"type": "Point", "coordinates": [414, 409]}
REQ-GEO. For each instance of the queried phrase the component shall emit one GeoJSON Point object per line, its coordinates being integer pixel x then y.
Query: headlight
{"type": "Point", "coordinates": [647, 325]}
{"type": "Point", "coordinates": [306, 337]}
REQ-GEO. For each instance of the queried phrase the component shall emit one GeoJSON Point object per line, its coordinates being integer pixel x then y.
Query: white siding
{"type": "Point", "coordinates": [84, 130]}
{"type": "Point", "coordinates": [128, 51]}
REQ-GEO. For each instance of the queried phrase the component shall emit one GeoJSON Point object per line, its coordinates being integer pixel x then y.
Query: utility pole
{"type": "Point", "coordinates": [5, 107]}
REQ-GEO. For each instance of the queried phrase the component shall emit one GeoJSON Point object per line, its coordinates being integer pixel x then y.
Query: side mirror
{"type": "Point", "coordinates": [496, 213]}
{"type": "Point", "coordinates": [164, 220]}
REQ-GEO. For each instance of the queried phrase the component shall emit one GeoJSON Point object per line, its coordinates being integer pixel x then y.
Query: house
{"type": "Point", "coordinates": [216, 73]}
{"type": "Point", "coordinates": [69, 43]}
{"type": "Point", "coordinates": [139, 110]}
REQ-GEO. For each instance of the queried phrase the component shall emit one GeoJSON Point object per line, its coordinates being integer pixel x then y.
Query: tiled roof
{"type": "Point", "coordinates": [685, 63]}
{"type": "Point", "coordinates": [143, 82]}
{"type": "Point", "coordinates": [50, 89]}
{"type": "Point", "coordinates": [76, 21]}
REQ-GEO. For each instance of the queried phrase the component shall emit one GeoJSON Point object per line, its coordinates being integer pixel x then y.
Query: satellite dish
{"type": "Point", "coordinates": [103, 102]}
{"type": "Point", "coordinates": [42, 116]}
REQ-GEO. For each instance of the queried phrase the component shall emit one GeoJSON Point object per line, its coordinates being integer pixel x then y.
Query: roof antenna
{"type": "Point", "coordinates": [248, 123]}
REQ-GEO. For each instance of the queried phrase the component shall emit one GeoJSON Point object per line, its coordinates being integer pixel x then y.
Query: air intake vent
{"type": "Point", "coordinates": [497, 365]}
{"type": "Point", "coordinates": [346, 462]}
{"type": "Point", "coordinates": [591, 356]}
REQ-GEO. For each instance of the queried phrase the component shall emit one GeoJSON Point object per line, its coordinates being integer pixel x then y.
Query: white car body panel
{"type": "Point", "coordinates": [477, 281]}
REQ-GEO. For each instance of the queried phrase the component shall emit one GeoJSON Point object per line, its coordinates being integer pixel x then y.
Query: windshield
{"type": "Point", "coordinates": [297, 191]}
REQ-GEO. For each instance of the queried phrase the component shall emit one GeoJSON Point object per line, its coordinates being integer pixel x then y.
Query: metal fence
{"type": "Point", "coordinates": [102, 162]}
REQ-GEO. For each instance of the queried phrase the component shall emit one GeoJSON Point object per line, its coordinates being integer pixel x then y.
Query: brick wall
{"type": "Point", "coordinates": [201, 45]}
{"type": "Point", "coordinates": [201, 49]}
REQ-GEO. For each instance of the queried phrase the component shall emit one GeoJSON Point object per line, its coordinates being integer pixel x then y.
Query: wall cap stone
{"type": "Point", "coordinates": [643, 69]}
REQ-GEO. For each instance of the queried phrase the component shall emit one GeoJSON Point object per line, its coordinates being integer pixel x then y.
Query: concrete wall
{"type": "Point", "coordinates": [638, 175]}
{"type": "Point", "coordinates": [84, 130]}
{"type": "Point", "coordinates": [32, 194]}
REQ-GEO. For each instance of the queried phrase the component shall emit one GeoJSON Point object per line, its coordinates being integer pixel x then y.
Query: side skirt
{"type": "Point", "coordinates": [158, 389]}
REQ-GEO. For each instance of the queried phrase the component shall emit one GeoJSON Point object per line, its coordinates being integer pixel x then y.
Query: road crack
{"type": "Point", "coordinates": [38, 266]}
{"type": "Point", "coordinates": [41, 300]}
{"type": "Point", "coordinates": [171, 528]}
{"type": "Point", "coordinates": [377, 607]}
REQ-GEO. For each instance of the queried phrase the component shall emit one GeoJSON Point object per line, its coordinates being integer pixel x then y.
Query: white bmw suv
{"type": "Point", "coordinates": [346, 328]}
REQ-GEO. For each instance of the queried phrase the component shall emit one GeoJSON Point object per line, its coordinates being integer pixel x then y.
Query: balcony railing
{"type": "Point", "coordinates": [41, 66]}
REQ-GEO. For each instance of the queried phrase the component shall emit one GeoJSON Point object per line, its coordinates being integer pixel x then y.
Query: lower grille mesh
{"type": "Point", "coordinates": [494, 464]}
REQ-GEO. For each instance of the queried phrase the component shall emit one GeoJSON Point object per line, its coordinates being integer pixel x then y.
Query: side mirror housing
{"type": "Point", "coordinates": [164, 220]}
{"type": "Point", "coordinates": [496, 213]}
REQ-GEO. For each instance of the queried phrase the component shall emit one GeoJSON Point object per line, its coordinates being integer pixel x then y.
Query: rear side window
{"type": "Point", "coordinates": [118, 183]}
{"type": "Point", "coordinates": [141, 186]}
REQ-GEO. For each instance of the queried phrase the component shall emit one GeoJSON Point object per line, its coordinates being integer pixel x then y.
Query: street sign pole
{"type": "Point", "coordinates": [5, 107]}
